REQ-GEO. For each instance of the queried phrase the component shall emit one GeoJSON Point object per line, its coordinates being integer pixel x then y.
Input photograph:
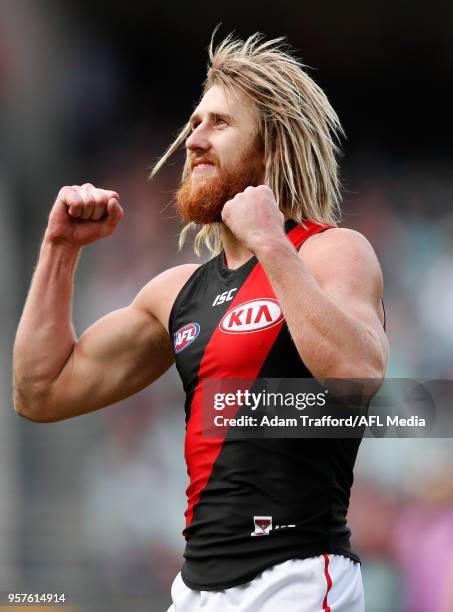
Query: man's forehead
{"type": "Point", "coordinates": [218, 101]}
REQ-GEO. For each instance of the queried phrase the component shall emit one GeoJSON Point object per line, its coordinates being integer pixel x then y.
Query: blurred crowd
{"type": "Point", "coordinates": [95, 505]}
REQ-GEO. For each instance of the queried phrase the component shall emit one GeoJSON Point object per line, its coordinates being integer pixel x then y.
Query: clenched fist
{"type": "Point", "coordinates": [254, 217]}
{"type": "Point", "coordinates": [82, 215]}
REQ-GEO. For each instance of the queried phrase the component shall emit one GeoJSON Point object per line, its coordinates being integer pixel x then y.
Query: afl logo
{"type": "Point", "coordinates": [252, 316]}
{"type": "Point", "coordinates": [185, 336]}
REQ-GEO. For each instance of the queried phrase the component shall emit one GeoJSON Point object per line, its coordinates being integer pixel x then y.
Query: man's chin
{"type": "Point", "coordinates": [202, 216]}
{"type": "Point", "coordinates": [199, 207]}
{"type": "Point", "coordinates": [203, 194]}
{"type": "Point", "coordinates": [207, 173]}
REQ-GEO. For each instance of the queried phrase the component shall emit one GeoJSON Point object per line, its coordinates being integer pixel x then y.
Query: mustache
{"type": "Point", "coordinates": [209, 159]}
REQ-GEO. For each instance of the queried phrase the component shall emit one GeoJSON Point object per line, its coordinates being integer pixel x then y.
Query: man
{"type": "Point", "coordinates": [261, 180]}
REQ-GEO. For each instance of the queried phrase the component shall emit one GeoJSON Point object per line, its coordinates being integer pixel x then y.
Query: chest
{"type": "Point", "coordinates": [225, 328]}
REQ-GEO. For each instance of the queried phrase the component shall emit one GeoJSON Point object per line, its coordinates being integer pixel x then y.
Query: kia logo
{"type": "Point", "coordinates": [252, 316]}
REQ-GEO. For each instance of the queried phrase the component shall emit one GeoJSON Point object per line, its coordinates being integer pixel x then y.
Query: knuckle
{"type": "Point", "coordinates": [89, 198]}
{"type": "Point", "coordinates": [77, 192]}
{"type": "Point", "coordinates": [71, 197]}
{"type": "Point", "coordinates": [66, 192]}
{"type": "Point", "coordinates": [98, 196]}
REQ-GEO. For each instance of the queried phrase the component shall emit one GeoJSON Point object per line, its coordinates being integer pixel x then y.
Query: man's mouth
{"type": "Point", "coordinates": [202, 161]}
{"type": "Point", "coordinates": [202, 165]}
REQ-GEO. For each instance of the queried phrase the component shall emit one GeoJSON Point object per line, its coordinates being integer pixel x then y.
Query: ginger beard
{"type": "Point", "coordinates": [201, 201]}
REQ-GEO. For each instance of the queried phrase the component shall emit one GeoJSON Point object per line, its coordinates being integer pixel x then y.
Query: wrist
{"type": "Point", "coordinates": [59, 246]}
{"type": "Point", "coordinates": [272, 247]}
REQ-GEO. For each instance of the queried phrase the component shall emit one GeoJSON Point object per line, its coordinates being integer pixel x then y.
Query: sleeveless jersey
{"type": "Point", "coordinates": [301, 483]}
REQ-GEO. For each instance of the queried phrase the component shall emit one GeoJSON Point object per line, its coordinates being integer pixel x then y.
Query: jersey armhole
{"type": "Point", "coordinates": [177, 301]}
{"type": "Point", "coordinates": [321, 231]}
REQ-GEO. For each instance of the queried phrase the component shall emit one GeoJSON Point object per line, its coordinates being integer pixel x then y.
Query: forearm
{"type": "Point", "coordinates": [331, 342]}
{"type": "Point", "coordinates": [45, 336]}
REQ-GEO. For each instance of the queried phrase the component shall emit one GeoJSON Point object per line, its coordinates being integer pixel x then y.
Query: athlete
{"type": "Point", "coordinates": [266, 518]}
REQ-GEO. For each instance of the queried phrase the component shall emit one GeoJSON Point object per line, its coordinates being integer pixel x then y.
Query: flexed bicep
{"type": "Point", "coordinates": [119, 355]}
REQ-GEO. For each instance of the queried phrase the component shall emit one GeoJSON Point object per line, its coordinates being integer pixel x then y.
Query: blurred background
{"type": "Point", "coordinates": [94, 91]}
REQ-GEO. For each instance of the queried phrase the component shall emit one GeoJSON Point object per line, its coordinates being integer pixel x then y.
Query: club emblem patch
{"type": "Point", "coordinates": [263, 525]}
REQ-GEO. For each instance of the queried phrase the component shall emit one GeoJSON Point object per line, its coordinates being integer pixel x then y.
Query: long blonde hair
{"type": "Point", "coordinates": [298, 127]}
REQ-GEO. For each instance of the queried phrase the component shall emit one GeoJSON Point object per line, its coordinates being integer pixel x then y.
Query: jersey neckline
{"type": "Point", "coordinates": [229, 273]}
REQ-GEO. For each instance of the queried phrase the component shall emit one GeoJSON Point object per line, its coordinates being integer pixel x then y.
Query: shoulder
{"type": "Point", "coordinates": [159, 294]}
{"type": "Point", "coordinates": [178, 274]}
{"type": "Point", "coordinates": [341, 254]}
{"type": "Point", "coordinates": [339, 240]}
{"type": "Point", "coordinates": [339, 246]}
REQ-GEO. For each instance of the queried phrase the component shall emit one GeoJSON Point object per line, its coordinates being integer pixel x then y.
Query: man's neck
{"type": "Point", "coordinates": [235, 254]}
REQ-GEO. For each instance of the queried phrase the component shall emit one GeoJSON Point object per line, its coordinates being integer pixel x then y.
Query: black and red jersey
{"type": "Point", "coordinates": [244, 487]}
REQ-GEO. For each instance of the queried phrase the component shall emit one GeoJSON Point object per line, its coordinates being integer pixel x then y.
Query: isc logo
{"type": "Point", "coordinates": [252, 316]}
{"type": "Point", "coordinates": [185, 336]}
{"type": "Point", "coordinates": [226, 296]}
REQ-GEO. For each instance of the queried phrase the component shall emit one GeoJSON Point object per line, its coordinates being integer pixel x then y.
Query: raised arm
{"type": "Point", "coordinates": [330, 292]}
{"type": "Point", "coordinates": [331, 295]}
{"type": "Point", "coordinates": [56, 375]}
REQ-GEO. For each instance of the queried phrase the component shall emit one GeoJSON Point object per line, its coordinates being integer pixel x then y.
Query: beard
{"type": "Point", "coordinates": [202, 201]}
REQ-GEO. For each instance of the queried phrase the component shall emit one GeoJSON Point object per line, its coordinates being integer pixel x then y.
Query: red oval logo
{"type": "Point", "coordinates": [252, 316]}
{"type": "Point", "coordinates": [185, 336]}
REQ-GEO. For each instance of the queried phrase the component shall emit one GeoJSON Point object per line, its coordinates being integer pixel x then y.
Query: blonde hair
{"type": "Point", "coordinates": [298, 127]}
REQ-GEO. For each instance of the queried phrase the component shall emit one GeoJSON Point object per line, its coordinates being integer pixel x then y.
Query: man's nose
{"type": "Point", "coordinates": [198, 139]}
